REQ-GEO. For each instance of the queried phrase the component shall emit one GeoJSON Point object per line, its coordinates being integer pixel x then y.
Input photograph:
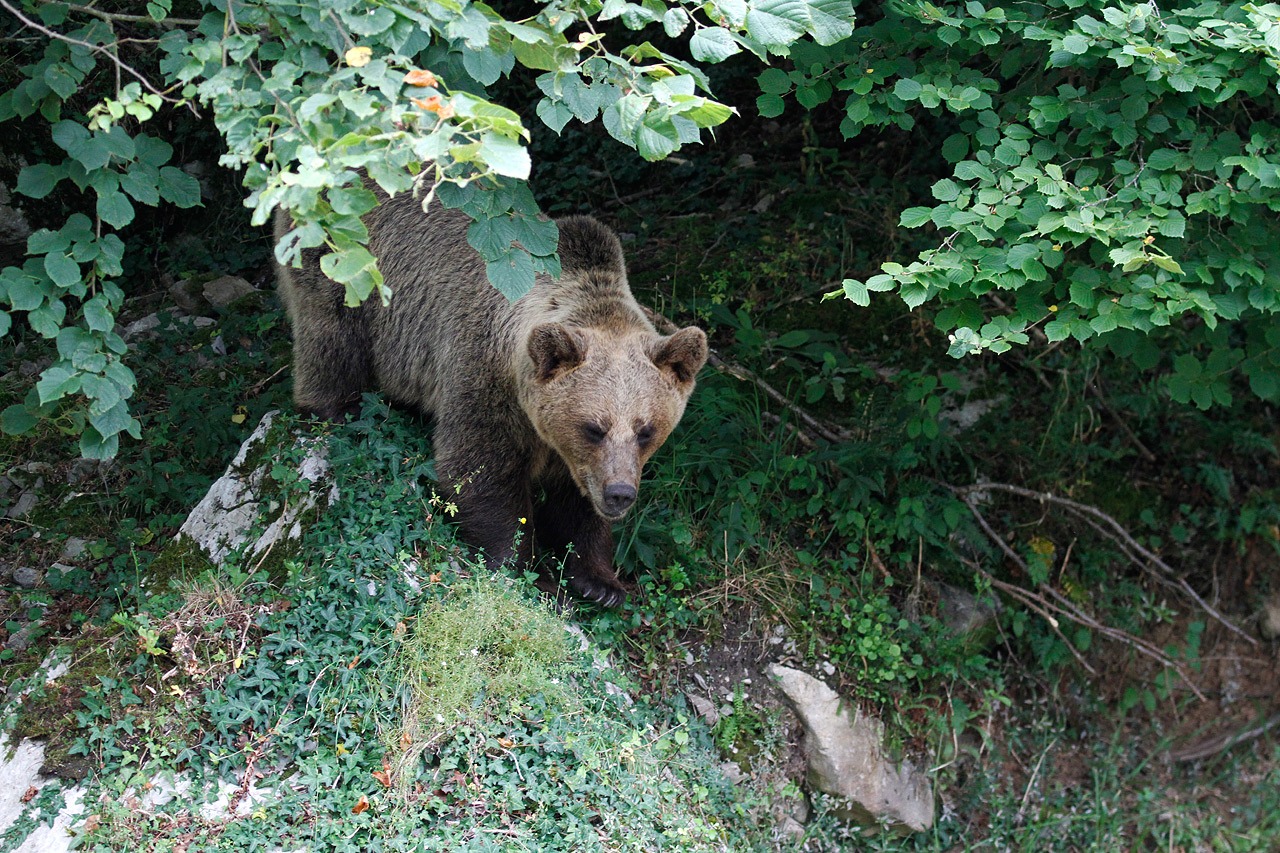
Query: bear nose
{"type": "Point", "coordinates": [618, 497]}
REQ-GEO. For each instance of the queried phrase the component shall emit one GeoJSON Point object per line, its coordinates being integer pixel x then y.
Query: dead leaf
{"type": "Point", "coordinates": [359, 57]}
{"type": "Point", "coordinates": [362, 805]}
{"type": "Point", "coordinates": [420, 77]}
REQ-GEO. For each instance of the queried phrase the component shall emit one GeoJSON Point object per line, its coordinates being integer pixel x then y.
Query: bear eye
{"type": "Point", "coordinates": [594, 433]}
{"type": "Point", "coordinates": [644, 435]}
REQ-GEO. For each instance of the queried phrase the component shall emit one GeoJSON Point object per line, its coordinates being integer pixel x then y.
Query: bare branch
{"type": "Point", "coordinates": [96, 48]}
{"type": "Point", "coordinates": [112, 17]}
{"type": "Point", "coordinates": [1114, 530]}
{"type": "Point", "coordinates": [1058, 604]}
{"type": "Point", "coordinates": [1221, 743]}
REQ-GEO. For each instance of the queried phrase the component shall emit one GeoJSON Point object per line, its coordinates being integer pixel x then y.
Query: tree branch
{"type": "Point", "coordinates": [1114, 530]}
{"type": "Point", "coordinates": [96, 48]}
{"type": "Point", "coordinates": [112, 17]}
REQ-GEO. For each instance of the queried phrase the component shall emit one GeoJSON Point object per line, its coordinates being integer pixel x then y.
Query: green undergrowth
{"type": "Point", "coordinates": [407, 698]}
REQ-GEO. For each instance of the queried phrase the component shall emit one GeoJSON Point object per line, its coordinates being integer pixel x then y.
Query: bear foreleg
{"type": "Point", "coordinates": [331, 368]}
{"type": "Point", "coordinates": [494, 511]}
{"type": "Point", "coordinates": [569, 529]}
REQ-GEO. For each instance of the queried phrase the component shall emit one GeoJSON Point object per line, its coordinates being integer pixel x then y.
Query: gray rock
{"type": "Point", "coordinates": [81, 470]}
{"type": "Point", "coordinates": [732, 772]}
{"type": "Point", "coordinates": [186, 294]}
{"type": "Point", "coordinates": [34, 367]}
{"type": "Point", "coordinates": [14, 227]}
{"type": "Point", "coordinates": [20, 640]}
{"type": "Point", "coordinates": [74, 547]}
{"type": "Point", "coordinates": [790, 814]}
{"type": "Point", "coordinates": [222, 292]}
{"type": "Point", "coordinates": [844, 749]}
{"type": "Point", "coordinates": [1269, 618]}
{"type": "Point", "coordinates": [149, 326]}
{"type": "Point", "coordinates": [964, 614]}
{"type": "Point", "coordinates": [20, 766]}
{"type": "Point", "coordinates": [705, 708]}
{"type": "Point", "coordinates": [221, 522]}
{"type": "Point", "coordinates": [27, 577]}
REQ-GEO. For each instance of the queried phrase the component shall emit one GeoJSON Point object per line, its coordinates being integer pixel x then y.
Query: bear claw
{"type": "Point", "coordinates": [605, 595]}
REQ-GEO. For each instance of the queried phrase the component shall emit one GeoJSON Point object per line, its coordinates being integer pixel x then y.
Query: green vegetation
{"type": "Point", "coordinates": [842, 495]}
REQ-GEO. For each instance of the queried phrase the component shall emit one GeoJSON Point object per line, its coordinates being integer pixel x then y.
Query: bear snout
{"type": "Point", "coordinates": [618, 498]}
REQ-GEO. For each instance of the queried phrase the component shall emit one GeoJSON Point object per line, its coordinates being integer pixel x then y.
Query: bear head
{"type": "Point", "coordinates": [605, 401]}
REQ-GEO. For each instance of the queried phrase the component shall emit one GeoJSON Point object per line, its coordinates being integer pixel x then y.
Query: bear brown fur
{"type": "Point", "coordinates": [566, 391]}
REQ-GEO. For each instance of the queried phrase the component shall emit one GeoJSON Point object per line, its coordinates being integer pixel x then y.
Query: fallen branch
{"type": "Point", "coordinates": [1108, 527]}
{"type": "Point", "coordinates": [1059, 605]}
{"type": "Point", "coordinates": [1221, 743]}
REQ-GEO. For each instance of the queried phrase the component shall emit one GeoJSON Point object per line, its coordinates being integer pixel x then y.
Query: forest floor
{"type": "Point", "coordinates": [1142, 724]}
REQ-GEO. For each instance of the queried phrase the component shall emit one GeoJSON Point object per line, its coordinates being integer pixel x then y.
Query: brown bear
{"type": "Point", "coordinates": [565, 392]}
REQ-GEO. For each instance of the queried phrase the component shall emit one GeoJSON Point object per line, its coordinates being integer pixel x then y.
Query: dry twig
{"type": "Point", "coordinates": [1107, 526]}
{"type": "Point", "coordinates": [1221, 743]}
{"type": "Point", "coordinates": [1050, 601]}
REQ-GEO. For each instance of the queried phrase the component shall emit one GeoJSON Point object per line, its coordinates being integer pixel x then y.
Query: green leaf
{"type": "Point", "coordinates": [113, 421]}
{"type": "Point", "coordinates": [505, 156]}
{"type": "Point", "coordinates": [767, 26]}
{"type": "Point", "coordinates": [914, 217]}
{"type": "Point", "coordinates": [94, 446]}
{"type": "Point", "coordinates": [45, 241]}
{"type": "Point", "coordinates": [774, 81]}
{"type": "Point", "coordinates": [554, 114]}
{"type": "Point", "coordinates": [97, 314]}
{"type": "Point", "coordinates": [656, 141]}
{"type": "Point", "coordinates": [908, 89]}
{"type": "Point", "coordinates": [770, 106]}
{"type": "Point", "coordinates": [913, 293]}
{"type": "Point", "coordinates": [24, 292]}
{"type": "Point", "coordinates": [781, 22]}
{"type": "Point", "coordinates": [115, 209]}
{"type": "Point", "coordinates": [946, 190]}
{"type": "Point", "coordinates": [15, 420]}
{"type": "Point", "coordinates": [511, 274]}
{"type": "Point", "coordinates": [38, 180]}
{"type": "Point", "coordinates": [55, 383]}
{"type": "Point", "coordinates": [178, 187]}
{"type": "Point", "coordinates": [64, 271]}
{"type": "Point", "coordinates": [1076, 44]}
{"type": "Point", "coordinates": [856, 292]}
{"type": "Point", "coordinates": [143, 183]}
{"type": "Point", "coordinates": [703, 112]}
{"type": "Point", "coordinates": [713, 44]}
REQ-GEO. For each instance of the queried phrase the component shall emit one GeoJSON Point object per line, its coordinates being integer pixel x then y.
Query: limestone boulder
{"type": "Point", "coordinates": [245, 506]}
{"type": "Point", "coordinates": [846, 758]}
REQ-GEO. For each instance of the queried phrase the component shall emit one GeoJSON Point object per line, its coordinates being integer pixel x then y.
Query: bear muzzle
{"type": "Point", "coordinates": [616, 499]}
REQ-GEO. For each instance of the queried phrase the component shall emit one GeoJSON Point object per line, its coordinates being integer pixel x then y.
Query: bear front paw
{"type": "Point", "coordinates": [598, 590]}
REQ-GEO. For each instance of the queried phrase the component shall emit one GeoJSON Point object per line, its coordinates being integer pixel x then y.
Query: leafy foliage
{"type": "Point", "coordinates": [1112, 167]}
{"type": "Point", "coordinates": [323, 109]}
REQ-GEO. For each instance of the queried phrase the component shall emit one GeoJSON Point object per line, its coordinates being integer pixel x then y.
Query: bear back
{"type": "Point", "coordinates": [587, 245]}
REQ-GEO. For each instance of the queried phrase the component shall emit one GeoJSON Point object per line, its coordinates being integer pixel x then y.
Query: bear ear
{"type": "Point", "coordinates": [554, 349]}
{"type": "Point", "coordinates": [683, 353]}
